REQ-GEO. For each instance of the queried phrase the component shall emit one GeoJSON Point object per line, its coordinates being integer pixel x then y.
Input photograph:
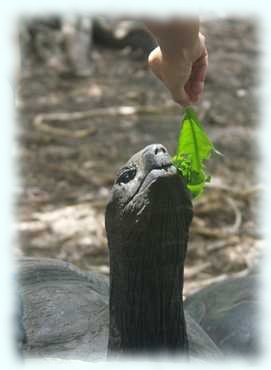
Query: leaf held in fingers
{"type": "Point", "coordinates": [194, 147]}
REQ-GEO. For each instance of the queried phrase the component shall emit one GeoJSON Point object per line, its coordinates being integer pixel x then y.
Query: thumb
{"type": "Point", "coordinates": [181, 97]}
{"type": "Point", "coordinates": [155, 61]}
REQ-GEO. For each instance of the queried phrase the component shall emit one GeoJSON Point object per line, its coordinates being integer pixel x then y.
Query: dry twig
{"type": "Point", "coordinates": [40, 119]}
{"type": "Point", "coordinates": [226, 231]}
{"type": "Point", "coordinates": [220, 244]}
{"type": "Point", "coordinates": [191, 272]}
{"type": "Point", "coordinates": [239, 193]}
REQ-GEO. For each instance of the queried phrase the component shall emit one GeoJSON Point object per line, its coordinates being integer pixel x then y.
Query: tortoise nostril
{"type": "Point", "coordinates": [159, 149]}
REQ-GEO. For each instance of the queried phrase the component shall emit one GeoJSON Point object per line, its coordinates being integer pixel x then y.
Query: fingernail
{"type": "Point", "coordinates": [197, 87]}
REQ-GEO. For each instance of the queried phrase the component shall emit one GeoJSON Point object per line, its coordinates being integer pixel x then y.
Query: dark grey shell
{"type": "Point", "coordinates": [228, 313]}
{"type": "Point", "coordinates": [66, 313]}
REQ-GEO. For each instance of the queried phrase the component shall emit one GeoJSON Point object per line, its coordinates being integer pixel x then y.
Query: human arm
{"type": "Point", "coordinates": [180, 61]}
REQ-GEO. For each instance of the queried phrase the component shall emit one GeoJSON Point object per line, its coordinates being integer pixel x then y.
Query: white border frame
{"type": "Point", "coordinates": [10, 11]}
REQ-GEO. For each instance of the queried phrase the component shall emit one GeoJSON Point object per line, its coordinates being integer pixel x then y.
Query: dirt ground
{"type": "Point", "coordinates": [73, 135]}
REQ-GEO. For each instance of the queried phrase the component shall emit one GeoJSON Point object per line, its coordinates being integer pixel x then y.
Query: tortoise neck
{"type": "Point", "coordinates": [146, 286]}
{"type": "Point", "coordinates": [146, 312]}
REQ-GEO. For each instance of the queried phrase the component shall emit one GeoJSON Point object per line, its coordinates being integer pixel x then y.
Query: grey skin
{"type": "Point", "coordinates": [68, 313]}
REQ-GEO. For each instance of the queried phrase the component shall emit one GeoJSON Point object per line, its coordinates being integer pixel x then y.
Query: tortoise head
{"type": "Point", "coordinates": [148, 200]}
{"type": "Point", "coordinates": [147, 222]}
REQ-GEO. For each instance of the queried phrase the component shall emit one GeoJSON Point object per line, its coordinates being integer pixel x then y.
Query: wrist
{"type": "Point", "coordinates": [189, 52]}
{"type": "Point", "coordinates": [175, 37]}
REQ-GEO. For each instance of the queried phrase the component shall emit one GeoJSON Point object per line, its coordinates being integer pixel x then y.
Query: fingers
{"type": "Point", "coordinates": [155, 62]}
{"type": "Point", "coordinates": [171, 80]}
{"type": "Point", "coordinates": [195, 85]}
{"type": "Point", "coordinates": [181, 97]}
{"type": "Point", "coordinates": [184, 79]}
{"type": "Point", "coordinates": [200, 66]}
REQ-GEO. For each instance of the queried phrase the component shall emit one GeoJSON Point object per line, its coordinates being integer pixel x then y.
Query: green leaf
{"type": "Point", "coordinates": [194, 147]}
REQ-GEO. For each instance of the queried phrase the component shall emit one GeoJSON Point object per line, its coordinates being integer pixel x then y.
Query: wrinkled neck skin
{"type": "Point", "coordinates": [146, 286]}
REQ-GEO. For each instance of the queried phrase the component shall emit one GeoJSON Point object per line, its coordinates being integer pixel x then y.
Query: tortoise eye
{"type": "Point", "coordinates": [126, 176]}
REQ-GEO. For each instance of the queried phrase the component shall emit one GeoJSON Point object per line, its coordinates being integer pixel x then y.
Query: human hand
{"type": "Point", "coordinates": [183, 72]}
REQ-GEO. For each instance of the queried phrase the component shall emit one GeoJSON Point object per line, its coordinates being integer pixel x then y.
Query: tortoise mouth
{"type": "Point", "coordinates": [165, 170]}
{"type": "Point", "coordinates": [155, 173]}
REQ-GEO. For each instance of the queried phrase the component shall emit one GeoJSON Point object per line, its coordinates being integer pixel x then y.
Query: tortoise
{"type": "Point", "coordinates": [72, 314]}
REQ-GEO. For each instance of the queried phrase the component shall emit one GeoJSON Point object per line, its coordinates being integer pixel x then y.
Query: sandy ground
{"type": "Point", "coordinates": [67, 162]}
